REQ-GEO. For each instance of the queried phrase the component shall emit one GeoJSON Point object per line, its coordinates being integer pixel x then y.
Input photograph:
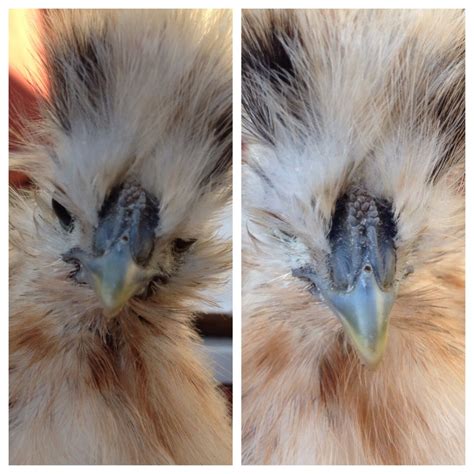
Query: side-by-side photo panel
{"type": "Point", "coordinates": [353, 237]}
{"type": "Point", "coordinates": [120, 334]}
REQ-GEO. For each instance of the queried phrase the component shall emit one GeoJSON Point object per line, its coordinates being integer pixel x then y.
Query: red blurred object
{"type": "Point", "coordinates": [23, 101]}
{"type": "Point", "coordinates": [23, 105]}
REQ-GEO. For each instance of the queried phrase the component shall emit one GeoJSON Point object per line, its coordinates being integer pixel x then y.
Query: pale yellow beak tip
{"type": "Point", "coordinates": [116, 279]}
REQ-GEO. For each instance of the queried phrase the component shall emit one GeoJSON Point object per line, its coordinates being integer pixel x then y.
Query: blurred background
{"type": "Point", "coordinates": [26, 83]}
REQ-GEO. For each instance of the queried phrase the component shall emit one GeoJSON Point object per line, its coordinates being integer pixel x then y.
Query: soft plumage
{"type": "Point", "coordinates": [338, 104]}
{"type": "Point", "coordinates": [133, 152]}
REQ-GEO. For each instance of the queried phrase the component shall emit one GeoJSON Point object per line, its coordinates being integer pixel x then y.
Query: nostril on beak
{"type": "Point", "coordinates": [367, 268]}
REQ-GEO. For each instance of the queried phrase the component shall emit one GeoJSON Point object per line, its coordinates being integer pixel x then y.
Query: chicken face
{"type": "Point", "coordinates": [350, 186]}
{"type": "Point", "coordinates": [360, 268]}
{"type": "Point", "coordinates": [124, 261]}
{"type": "Point", "coordinates": [130, 185]}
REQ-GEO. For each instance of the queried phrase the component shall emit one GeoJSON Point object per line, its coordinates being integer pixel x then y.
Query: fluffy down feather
{"type": "Point", "coordinates": [141, 96]}
{"type": "Point", "coordinates": [331, 100]}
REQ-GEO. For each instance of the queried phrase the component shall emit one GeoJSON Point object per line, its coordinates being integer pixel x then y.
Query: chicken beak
{"type": "Point", "coordinates": [116, 277]}
{"type": "Point", "coordinates": [364, 313]}
{"type": "Point", "coordinates": [118, 267]}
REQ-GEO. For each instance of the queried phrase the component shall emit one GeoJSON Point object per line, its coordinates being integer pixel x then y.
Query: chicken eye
{"type": "Point", "coordinates": [64, 216]}
{"type": "Point", "coordinates": [286, 236]}
{"type": "Point", "coordinates": [182, 245]}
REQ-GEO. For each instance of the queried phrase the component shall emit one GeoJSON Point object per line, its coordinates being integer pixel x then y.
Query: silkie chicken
{"type": "Point", "coordinates": [114, 243]}
{"type": "Point", "coordinates": [353, 266]}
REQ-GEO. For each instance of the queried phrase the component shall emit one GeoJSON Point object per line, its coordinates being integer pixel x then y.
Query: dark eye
{"type": "Point", "coordinates": [286, 236]}
{"type": "Point", "coordinates": [64, 216]}
{"type": "Point", "coordinates": [182, 245]}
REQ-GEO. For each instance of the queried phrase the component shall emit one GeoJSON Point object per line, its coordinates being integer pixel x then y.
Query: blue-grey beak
{"type": "Point", "coordinates": [364, 313]}
{"type": "Point", "coordinates": [359, 283]}
{"type": "Point", "coordinates": [119, 265]}
{"type": "Point", "coordinates": [116, 277]}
